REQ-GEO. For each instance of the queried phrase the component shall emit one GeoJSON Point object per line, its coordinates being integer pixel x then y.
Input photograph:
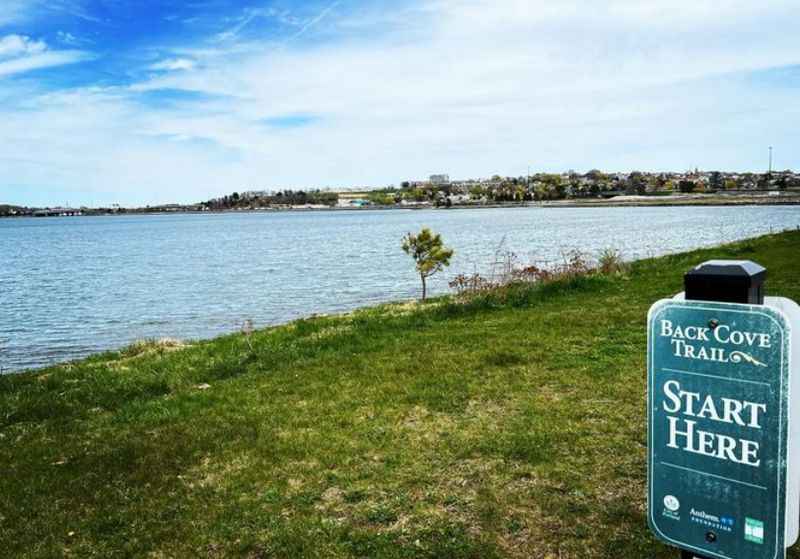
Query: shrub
{"type": "Point", "coordinates": [507, 277]}
{"type": "Point", "coordinates": [610, 262]}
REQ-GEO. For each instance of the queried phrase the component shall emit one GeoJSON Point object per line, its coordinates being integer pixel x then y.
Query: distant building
{"type": "Point", "coordinates": [353, 200]}
{"type": "Point", "coordinates": [440, 179]}
{"type": "Point", "coordinates": [460, 199]}
{"type": "Point", "coordinates": [55, 212]}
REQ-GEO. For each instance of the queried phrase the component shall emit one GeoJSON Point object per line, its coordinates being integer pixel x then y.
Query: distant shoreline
{"type": "Point", "coordinates": [790, 199]}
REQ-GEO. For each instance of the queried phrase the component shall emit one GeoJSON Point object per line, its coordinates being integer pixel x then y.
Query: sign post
{"type": "Point", "coordinates": [723, 434]}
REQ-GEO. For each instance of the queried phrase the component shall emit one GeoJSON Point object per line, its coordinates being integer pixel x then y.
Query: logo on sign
{"type": "Point", "coordinates": [671, 503]}
{"type": "Point", "coordinates": [753, 530]}
{"type": "Point", "coordinates": [724, 523]}
{"type": "Point", "coordinates": [671, 507]}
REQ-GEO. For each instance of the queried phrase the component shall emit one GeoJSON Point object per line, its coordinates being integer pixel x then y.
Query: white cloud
{"type": "Point", "coordinates": [11, 11]}
{"type": "Point", "coordinates": [19, 54]}
{"type": "Point", "coordinates": [316, 19]}
{"type": "Point", "coordinates": [39, 61]}
{"type": "Point", "coordinates": [284, 17]}
{"type": "Point", "coordinates": [469, 87]}
{"type": "Point", "coordinates": [174, 64]}
{"type": "Point", "coordinates": [68, 38]}
{"type": "Point", "coordinates": [26, 11]}
{"type": "Point", "coordinates": [19, 45]}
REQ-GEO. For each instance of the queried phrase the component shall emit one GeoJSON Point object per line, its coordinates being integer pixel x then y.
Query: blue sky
{"type": "Point", "coordinates": [150, 101]}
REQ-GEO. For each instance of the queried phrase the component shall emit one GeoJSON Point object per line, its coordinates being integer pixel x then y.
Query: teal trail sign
{"type": "Point", "coordinates": [718, 408]}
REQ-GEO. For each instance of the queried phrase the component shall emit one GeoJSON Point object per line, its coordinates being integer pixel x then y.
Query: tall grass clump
{"type": "Point", "coordinates": [510, 282]}
{"type": "Point", "coordinates": [610, 262]}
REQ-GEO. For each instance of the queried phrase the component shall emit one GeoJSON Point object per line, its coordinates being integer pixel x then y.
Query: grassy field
{"type": "Point", "coordinates": [512, 426]}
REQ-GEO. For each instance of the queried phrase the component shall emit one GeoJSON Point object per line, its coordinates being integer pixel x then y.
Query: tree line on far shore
{"type": "Point", "coordinates": [593, 184]}
{"type": "Point", "coordinates": [537, 187]}
{"type": "Point", "coordinates": [497, 189]}
{"type": "Point", "coordinates": [282, 198]}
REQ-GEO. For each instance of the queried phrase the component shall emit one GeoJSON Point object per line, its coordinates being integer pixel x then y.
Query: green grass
{"type": "Point", "coordinates": [512, 426]}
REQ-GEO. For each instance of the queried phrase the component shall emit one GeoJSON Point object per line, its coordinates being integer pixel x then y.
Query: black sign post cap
{"type": "Point", "coordinates": [728, 281]}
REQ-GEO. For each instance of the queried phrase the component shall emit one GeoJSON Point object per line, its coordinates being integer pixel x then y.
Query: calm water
{"type": "Point", "coordinates": [73, 286]}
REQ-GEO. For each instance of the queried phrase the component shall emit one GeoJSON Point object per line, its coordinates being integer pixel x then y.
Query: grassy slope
{"type": "Point", "coordinates": [508, 430]}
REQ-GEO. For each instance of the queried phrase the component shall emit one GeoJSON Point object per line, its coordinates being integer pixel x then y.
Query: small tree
{"type": "Point", "coordinates": [637, 184]}
{"type": "Point", "coordinates": [715, 181]}
{"type": "Point", "coordinates": [429, 254]}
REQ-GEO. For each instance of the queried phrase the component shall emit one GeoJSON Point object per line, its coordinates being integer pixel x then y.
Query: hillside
{"type": "Point", "coordinates": [509, 427]}
{"type": "Point", "coordinates": [7, 209]}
